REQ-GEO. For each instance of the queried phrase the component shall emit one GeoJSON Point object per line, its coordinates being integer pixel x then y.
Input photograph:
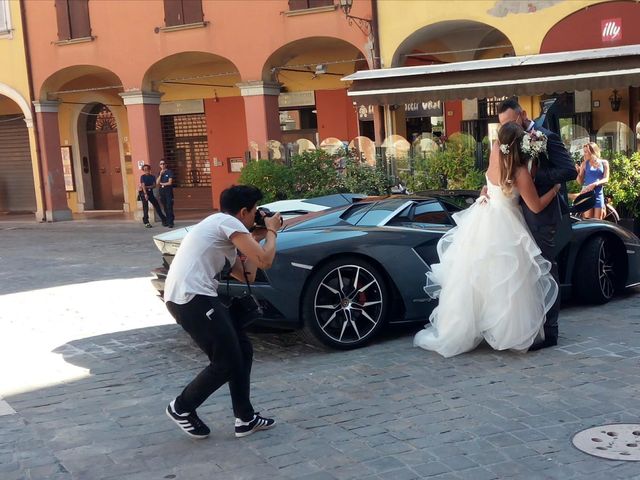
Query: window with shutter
{"type": "Point", "coordinates": [304, 4]}
{"type": "Point", "coordinates": [181, 12]}
{"type": "Point", "coordinates": [5, 23]}
{"type": "Point", "coordinates": [73, 19]}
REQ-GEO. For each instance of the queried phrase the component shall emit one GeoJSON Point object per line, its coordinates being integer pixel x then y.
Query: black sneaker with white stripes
{"type": "Point", "coordinates": [190, 423]}
{"type": "Point", "coordinates": [257, 423]}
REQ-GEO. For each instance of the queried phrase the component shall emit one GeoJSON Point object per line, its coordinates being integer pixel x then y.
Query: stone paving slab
{"type": "Point", "coordinates": [91, 359]}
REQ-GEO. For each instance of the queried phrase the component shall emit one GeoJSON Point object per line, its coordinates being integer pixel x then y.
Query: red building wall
{"type": "Point", "coordinates": [583, 30]}
{"type": "Point", "coordinates": [227, 138]}
{"type": "Point", "coordinates": [337, 115]}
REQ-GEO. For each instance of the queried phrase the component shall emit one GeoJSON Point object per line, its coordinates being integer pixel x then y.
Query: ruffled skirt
{"type": "Point", "coordinates": [492, 283]}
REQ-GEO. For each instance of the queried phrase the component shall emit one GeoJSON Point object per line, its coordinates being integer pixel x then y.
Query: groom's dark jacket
{"type": "Point", "coordinates": [554, 166]}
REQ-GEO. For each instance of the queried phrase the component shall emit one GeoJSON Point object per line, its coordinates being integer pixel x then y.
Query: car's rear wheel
{"type": "Point", "coordinates": [595, 277]}
{"type": "Point", "coordinates": [344, 304]}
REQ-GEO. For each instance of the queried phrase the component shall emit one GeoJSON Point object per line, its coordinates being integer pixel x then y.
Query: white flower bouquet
{"type": "Point", "coordinates": [534, 143]}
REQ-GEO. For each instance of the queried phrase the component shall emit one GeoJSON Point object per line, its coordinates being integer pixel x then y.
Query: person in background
{"type": "Point", "coordinates": [146, 196]}
{"type": "Point", "coordinates": [592, 175]}
{"type": "Point", "coordinates": [165, 184]}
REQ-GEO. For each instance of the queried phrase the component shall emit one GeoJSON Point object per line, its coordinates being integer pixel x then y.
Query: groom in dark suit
{"type": "Point", "coordinates": [554, 166]}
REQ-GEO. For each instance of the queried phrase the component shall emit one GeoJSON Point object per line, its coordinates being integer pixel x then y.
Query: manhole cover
{"type": "Point", "coordinates": [620, 441]}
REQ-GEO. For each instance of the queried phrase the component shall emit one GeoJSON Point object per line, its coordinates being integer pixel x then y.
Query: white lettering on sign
{"type": "Point", "coordinates": [611, 30]}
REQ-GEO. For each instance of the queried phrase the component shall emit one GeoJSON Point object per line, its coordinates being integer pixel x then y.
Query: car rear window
{"type": "Point", "coordinates": [372, 214]}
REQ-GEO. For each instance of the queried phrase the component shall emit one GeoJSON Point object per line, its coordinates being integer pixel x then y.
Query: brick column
{"type": "Point", "coordinates": [145, 138]}
{"type": "Point", "coordinates": [261, 112]}
{"type": "Point", "coordinates": [55, 196]}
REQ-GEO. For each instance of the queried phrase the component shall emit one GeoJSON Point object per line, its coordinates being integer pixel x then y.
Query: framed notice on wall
{"type": "Point", "coordinates": [235, 164]}
{"type": "Point", "coordinates": [67, 168]}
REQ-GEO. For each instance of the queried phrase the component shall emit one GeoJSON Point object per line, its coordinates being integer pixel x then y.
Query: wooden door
{"type": "Point", "coordinates": [106, 174]}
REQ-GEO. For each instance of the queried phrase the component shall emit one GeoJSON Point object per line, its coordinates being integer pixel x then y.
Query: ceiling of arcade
{"type": "Point", "coordinates": [454, 41]}
{"type": "Point", "coordinates": [313, 64]}
{"type": "Point", "coordinates": [82, 77]}
{"type": "Point", "coordinates": [193, 75]}
{"type": "Point", "coordinates": [8, 106]}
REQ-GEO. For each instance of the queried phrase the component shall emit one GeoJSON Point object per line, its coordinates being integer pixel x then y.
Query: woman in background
{"type": "Point", "coordinates": [592, 175]}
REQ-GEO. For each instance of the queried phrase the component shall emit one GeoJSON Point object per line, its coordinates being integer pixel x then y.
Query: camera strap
{"type": "Point", "coordinates": [246, 279]}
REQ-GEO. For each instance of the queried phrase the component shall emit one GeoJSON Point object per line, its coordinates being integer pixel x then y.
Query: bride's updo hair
{"type": "Point", "coordinates": [511, 156]}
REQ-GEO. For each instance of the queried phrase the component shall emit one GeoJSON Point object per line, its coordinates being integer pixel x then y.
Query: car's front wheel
{"type": "Point", "coordinates": [345, 304]}
{"type": "Point", "coordinates": [596, 273]}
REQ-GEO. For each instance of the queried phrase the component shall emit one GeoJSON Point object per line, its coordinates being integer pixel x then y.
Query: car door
{"type": "Point", "coordinates": [424, 221]}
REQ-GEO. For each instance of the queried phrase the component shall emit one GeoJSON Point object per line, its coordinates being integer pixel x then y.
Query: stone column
{"type": "Point", "coordinates": [261, 112]}
{"type": "Point", "coordinates": [145, 138]}
{"type": "Point", "coordinates": [55, 196]}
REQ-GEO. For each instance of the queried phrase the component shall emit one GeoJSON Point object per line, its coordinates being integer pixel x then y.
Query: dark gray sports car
{"type": "Point", "coordinates": [342, 274]}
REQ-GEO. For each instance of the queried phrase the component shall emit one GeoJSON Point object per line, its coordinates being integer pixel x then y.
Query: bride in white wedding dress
{"type": "Point", "coordinates": [492, 281]}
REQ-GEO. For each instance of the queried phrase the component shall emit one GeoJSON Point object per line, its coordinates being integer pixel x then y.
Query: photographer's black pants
{"type": "Point", "coordinates": [228, 347]}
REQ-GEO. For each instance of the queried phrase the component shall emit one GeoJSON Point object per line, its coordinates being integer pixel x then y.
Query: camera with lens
{"type": "Point", "coordinates": [261, 213]}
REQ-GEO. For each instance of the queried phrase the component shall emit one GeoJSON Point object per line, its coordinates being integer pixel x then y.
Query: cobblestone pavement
{"type": "Point", "coordinates": [90, 359]}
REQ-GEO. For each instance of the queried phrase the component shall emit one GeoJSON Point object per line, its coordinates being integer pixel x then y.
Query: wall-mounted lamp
{"type": "Point", "coordinates": [215, 96]}
{"type": "Point", "coordinates": [364, 24]}
{"type": "Point", "coordinates": [615, 100]}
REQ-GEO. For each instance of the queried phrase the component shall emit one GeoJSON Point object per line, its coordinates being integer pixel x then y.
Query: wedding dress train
{"type": "Point", "coordinates": [492, 281]}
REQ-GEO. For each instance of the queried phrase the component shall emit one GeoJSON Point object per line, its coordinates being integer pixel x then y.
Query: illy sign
{"type": "Point", "coordinates": [611, 30]}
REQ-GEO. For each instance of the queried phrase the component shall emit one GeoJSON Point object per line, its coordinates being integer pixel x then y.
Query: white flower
{"type": "Point", "coordinates": [534, 143]}
{"type": "Point", "coordinates": [504, 148]}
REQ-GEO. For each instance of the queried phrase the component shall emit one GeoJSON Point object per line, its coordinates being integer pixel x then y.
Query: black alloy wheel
{"type": "Point", "coordinates": [345, 304]}
{"type": "Point", "coordinates": [595, 275]}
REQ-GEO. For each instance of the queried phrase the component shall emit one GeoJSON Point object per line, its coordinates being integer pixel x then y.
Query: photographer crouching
{"type": "Point", "coordinates": [191, 296]}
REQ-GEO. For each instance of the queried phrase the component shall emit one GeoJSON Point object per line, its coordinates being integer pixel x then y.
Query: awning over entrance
{"type": "Point", "coordinates": [614, 67]}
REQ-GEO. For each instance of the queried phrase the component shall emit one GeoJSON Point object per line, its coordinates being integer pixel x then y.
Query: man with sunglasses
{"type": "Point", "coordinates": [165, 184]}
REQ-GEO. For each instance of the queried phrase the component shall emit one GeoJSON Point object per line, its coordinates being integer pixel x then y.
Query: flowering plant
{"type": "Point", "coordinates": [534, 143]}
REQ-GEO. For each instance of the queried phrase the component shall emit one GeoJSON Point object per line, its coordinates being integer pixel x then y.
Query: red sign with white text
{"type": "Point", "coordinates": [611, 30]}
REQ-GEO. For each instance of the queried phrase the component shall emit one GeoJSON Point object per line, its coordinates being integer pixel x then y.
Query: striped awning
{"type": "Point", "coordinates": [546, 73]}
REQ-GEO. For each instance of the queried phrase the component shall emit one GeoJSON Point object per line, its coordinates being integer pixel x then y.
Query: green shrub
{"type": "Point", "coordinates": [272, 178]}
{"type": "Point", "coordinates": [624, 183]}
{"type": "Point", "coordinates": [451, 168]}
{"type": "Point", "coordinates": [358, 177]}
{"type": "Point", "coordinates": [314, 174]}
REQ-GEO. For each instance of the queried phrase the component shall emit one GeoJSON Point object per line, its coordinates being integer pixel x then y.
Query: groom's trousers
{"type": "Point", "coordinates": [544, 235]}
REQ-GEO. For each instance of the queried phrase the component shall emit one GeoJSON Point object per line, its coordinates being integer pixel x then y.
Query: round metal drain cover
{"type": "Point", "coordinates": [619, 441]}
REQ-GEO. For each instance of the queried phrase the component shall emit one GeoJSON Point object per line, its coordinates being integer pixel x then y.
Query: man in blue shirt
{"type": "Point", "coordinates": [165, 183]}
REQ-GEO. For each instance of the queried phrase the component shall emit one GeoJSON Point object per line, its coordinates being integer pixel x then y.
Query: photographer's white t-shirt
{"type": "Point", "coordinates": [201, 257]}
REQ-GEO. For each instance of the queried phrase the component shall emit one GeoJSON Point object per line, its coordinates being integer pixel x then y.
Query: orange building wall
{"type": "Point", "coordinates": [228, 35]}
{"type": "Point", "coordinates": [227, 137]}
{"type": "Point", "coordinates": [337, 115]}
{"type": "Point", "coordinates": [452, 123]}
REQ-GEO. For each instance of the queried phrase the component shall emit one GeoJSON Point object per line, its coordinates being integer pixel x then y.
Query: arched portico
{"type": "Point", "coordinates": [18, 160]}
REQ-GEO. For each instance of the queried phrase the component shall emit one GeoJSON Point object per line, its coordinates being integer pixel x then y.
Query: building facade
{"type": "Point", "coordinates": [92, 90]}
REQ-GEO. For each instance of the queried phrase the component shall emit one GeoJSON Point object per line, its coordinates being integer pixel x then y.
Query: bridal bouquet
{"type": "Point", "coordinates": [534, 143]}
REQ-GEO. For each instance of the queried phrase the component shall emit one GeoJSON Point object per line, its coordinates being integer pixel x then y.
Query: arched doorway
{"type": "Point", "coordinates": [17, 190]}
{"type": "Point", "coordinates": [104, 159]}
